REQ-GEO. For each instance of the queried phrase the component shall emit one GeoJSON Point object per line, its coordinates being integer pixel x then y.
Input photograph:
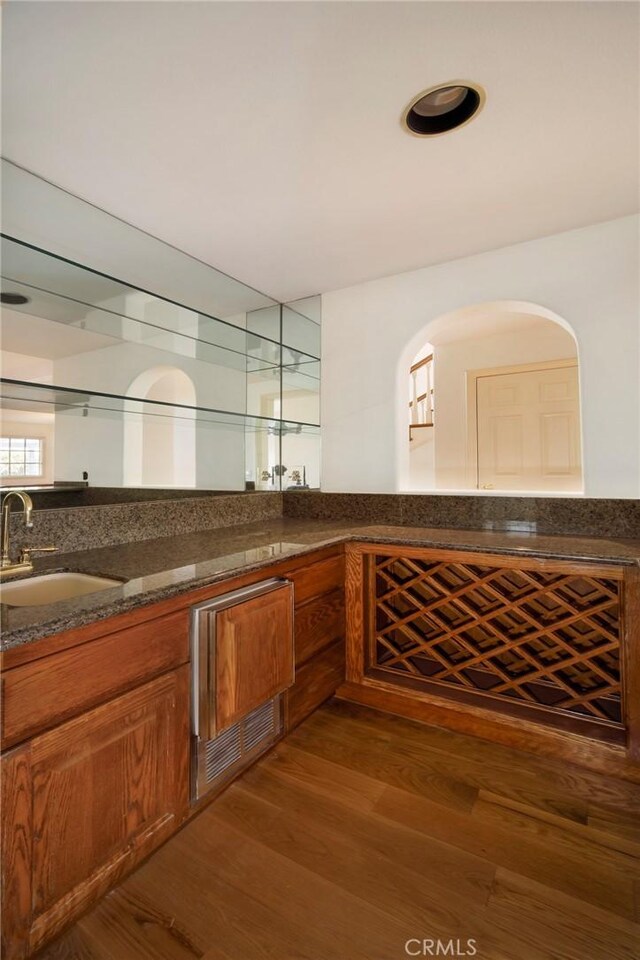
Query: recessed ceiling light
{"type": "Point", "coordinates": [15, 299]}
{"type": "Point", "coordinates": [443, 108]}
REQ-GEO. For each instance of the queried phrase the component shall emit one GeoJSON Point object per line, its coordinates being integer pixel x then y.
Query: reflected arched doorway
{"type": "Point", "coordinates": [506, 389]}
{"type": "Point", "coordinates": [159, 443]}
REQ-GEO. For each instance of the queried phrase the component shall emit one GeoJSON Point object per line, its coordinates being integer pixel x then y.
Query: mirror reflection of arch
{"type": "Point", "coordinates": [504, 378]}
{"type": "Point", "coordinates": [160, 450]}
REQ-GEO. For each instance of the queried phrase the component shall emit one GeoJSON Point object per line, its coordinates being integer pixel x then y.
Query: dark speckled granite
{"type": "Point", "coordinates": [352, 507]}
{"type": "Point", "coordinates": [555, 515]}
{"type": "Point", "coordinates": [79, 495]}
{"type": "Point", "coordinates": [162, 568]}
{"type": "Point", "coordinates": [82, 528]}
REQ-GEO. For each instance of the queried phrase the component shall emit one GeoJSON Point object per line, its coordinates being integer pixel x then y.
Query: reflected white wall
{"type": "Point", "coordinates": [160, 450]}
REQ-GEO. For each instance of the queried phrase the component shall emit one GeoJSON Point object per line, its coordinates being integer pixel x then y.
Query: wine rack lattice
{"type": "Point", "coordinates": [533, 637]}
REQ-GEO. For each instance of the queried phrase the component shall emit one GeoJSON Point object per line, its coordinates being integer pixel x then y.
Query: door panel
{"type": "Point", "coordinates": [529, 430]}
{"type": "Point", "coordinates": [558, 444]}
{"type": "Point", "coordinates": [506, 436]}
{"type": "Point", "coordinates": [253, 654]}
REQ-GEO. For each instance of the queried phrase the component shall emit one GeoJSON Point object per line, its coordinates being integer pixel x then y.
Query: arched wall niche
{"type": "Point", "coordinates": [160, 451]}
{"type": "Point", "coordinates": [494, 320]}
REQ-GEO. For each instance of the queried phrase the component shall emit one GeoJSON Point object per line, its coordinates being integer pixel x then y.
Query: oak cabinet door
{"type": "Point", "coordinates": [15, 855]}
{"type": "Point", "coordinates": [105, 789]}
{"type": "Point", "coordinates": [253, 655]}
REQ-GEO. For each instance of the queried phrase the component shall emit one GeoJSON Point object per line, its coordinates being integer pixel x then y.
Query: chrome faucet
{"type": "Point", "coordinates": [24, 565]}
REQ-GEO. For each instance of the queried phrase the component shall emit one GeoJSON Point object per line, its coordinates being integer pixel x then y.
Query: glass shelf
{"type": "Point", "coordinates": [77, 297]}
{"type": "Point", "coordinates": [32, 397]}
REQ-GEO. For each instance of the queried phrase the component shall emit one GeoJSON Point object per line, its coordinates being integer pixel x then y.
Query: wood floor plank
{"type": "Point", "coordinates": [294, 891]}
{"type": "Point", "coordinates": [601, 833]}
{"type": "Point", "coordinates": [372, 846]}
{"type": "Point", "coordinates": [408, 904]}
{"type": "Point", "coordinates": [417, 909]}
{"type": "Point", "coordinates": [449, 867]}
{"type": "Point", "coordinates": [216, 900]}
{"type": "Point", "coordinates": [75, 945]}
{"type": "Point", "coordinates": [469, 775]}
{"type": "Point", "coordinates": [327, 779]}
{"type": "Point", "coordinates": [623, 824]}
{"type": "Point", "coordinates": [583, 849]}
{"type": "Point", "coordinates": [138, 929]}
{"type": "Point", "coordinates": [562, 925]}
{"type": "Point", "coordinates": [573, 783]}
{"type": "Point", "coordinates": [521, 854]}
{"type": "Point", "coordinates": [553, 787]}
{"type": "Point", "coordinates": [393, 768]}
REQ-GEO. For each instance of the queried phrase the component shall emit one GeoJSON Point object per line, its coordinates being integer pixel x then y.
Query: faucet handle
{"type": "Point", "coordinates": [25, 555]}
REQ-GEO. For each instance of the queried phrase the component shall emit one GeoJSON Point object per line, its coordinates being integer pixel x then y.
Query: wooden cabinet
{"type": "Point", "coordinates": [88, 800]}
{"type": "Point", "coordinates": [316, 681]}
{"type": "Point", "coordinates": [535, 653]}
{"type": "Point", "coordinates": [319, 637]}
{"type": "Point", "coordinates": [96, 732]}
{"type": "Point", "coordinates": [253, 659]}
{"type": "Point", "coordinates": [39, 694]}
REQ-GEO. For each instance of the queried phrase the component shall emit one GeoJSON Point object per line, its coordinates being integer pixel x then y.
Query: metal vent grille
{"type": "Point", "coordinates": [222, 752]}
{"type": "Point", "coordinates": [260, 725]}
{"type": "Point", "coordinates": [234, 749]}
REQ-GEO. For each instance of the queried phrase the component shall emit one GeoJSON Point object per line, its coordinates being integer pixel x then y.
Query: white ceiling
{"type": "Point", "coordinates": [265, 138]}
{"type": "Point", "coordinates": [33, 336]}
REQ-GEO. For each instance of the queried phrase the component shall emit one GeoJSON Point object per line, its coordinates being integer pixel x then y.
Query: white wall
{"type": "Point", "coordinates": [422, 464]}
{"type": "Point", "coordinates": [542, 341]}
{"type": "Point", "coordinates": [95, 443]}
{"type": "Point", "coordinates": [372, 331]}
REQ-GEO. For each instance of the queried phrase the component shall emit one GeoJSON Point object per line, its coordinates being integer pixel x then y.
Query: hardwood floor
{"type": "Point", "coordinates": [363, 831]}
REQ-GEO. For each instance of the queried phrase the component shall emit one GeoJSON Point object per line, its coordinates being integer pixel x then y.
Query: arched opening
{"type": "Point", "coordinates": [505, 385]}
{"type": "Point", "coordinates": [160, 447]}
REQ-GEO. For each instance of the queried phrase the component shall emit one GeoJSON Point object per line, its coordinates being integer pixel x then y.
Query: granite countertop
{"type": "Point", "coordinates": [155, 570]}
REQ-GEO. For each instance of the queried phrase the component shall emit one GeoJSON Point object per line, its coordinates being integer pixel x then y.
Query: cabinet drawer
{"type": "Point", "coordinates": [316, 681]}
{"type": "Point", "coordinates": [44, 692]}
{"type": "Point", "coordinates": [318, 623]}
{"type": "Point", "coordinates": [318, 578]}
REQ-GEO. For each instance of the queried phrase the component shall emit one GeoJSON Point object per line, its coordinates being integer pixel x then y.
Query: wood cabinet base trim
{"type": "Point", "coordinates": [608, 759]}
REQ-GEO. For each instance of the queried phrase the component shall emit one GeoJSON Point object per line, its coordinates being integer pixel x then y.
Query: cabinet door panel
{"type": "Point", "coordinates": [107, 788]}
{"type": "Point", "coordinates": [316, 681]}
{"type": "Point", "coordinates": [318, 578]}
{"type": "Point", "coordinates": [15, 855]}
{"type": "Point", "coordinates": [253, 654]}
{"type": "Point", "coordinates": [318, 624]}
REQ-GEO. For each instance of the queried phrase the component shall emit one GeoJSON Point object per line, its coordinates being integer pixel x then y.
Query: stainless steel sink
{"type": "Point", "coordinates": [51, 587]}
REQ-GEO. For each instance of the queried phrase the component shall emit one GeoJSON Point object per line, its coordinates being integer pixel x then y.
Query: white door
{"type": "Point", "coordinates": [529, 430]}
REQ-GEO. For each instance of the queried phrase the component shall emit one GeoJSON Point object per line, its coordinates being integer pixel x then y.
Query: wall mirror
{"type": "Point", "coordinates": [127, 362]}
